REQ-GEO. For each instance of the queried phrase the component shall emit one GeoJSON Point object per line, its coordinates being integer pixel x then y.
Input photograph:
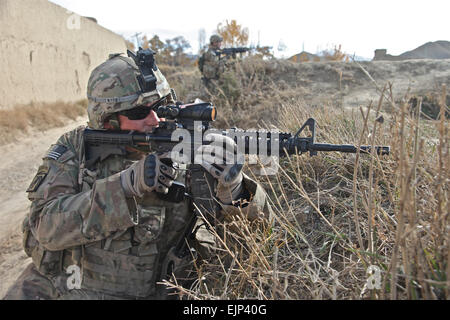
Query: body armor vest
{"type": "Point", "coordinates": [128, 263]}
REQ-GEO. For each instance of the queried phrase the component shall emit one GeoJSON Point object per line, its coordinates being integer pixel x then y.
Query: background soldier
{"type": "Point", "coordinates": [210, 63]}
{"type": "Point", "coordinates": [108, 220]}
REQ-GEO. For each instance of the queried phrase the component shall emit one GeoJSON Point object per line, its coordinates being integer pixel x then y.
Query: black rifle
{"type": "Point", "coordinates": [232, 51]}
{"type": "Point", "coordinates": [195, 119]}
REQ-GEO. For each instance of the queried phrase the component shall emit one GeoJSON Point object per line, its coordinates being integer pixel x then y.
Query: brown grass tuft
{"type": "Point", "coordinates": [15, 122]}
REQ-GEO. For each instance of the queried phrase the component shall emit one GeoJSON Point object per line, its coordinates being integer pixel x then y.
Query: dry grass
{"type": "Point", "coordinates": [338, 216]}
{"type": "Point", "coordinates": [15, 122]}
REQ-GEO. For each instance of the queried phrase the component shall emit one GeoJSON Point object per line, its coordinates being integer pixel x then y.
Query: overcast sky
{"type": "Point", "coordinates": [359, 26]}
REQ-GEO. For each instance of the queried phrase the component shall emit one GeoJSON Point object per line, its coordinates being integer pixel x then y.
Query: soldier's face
{"type": "Point", "coordinates": [144, 125]}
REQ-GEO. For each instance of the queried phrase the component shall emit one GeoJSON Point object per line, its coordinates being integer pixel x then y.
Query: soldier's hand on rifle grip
{"type": "Point", "coordinates": [223, 162]}
{"type": "Point", "coordinates": [152, 173]}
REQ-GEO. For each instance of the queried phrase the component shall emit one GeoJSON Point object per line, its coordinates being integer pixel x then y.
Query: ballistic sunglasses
{"type": "Point", "coordinates": [138, 113]}
{"type": "Point", "coordinates": [141, 112]}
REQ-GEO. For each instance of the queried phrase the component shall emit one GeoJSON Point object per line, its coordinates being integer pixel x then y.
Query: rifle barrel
{"type": "Point", "coordinates": [380, 150]}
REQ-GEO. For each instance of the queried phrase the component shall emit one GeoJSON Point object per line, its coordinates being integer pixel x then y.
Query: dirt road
{"type": "Point", "coordinates": [19, 164]}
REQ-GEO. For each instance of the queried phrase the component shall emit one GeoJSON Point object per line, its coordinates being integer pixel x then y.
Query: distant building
{"type": "Point", "coordinates": [381, 54]}
{"type": "Point", "coordinates": [305, 57]}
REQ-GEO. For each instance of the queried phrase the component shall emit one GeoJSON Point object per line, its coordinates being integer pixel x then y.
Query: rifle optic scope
{"type": "Point", "coordinates": [197, 111]}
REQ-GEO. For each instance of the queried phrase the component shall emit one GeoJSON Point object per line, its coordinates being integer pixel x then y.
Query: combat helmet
{"type": "Point", "coordinates": [122, 83]}
{"type": "Point", "coordinates": [215, 38]}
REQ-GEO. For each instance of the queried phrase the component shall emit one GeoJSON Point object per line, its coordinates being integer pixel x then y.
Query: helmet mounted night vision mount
{"type": "Point", "coordinates": [145, 60]}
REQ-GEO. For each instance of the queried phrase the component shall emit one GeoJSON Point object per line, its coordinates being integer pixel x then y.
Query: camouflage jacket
{"type": "Point", "coordinates": [213, 66]}
{"type": "Point", "coordinates": [81, 217]}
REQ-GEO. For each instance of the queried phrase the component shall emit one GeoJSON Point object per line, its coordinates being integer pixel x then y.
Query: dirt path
{"type": "Point", "coordinates": [17, 168]}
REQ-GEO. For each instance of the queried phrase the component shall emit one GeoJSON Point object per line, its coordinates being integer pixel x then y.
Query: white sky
{"type": "Point", "coordinates": [359, 26]}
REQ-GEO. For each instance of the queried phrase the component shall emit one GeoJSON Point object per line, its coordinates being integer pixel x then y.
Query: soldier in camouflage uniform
{"type": "Point", "coordinates": [212, 65]}
{"type": "Point", "coordinates": [108, 221]}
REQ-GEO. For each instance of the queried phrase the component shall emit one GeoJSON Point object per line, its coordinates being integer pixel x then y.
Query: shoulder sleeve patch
{"type": "Point", "coordinates": [38, 178]}
{"type": "Point", "coordinates": [55, 152]}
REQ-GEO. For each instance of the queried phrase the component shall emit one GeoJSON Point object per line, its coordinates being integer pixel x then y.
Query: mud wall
{"type": "Point", "coordinates": [47, 52]}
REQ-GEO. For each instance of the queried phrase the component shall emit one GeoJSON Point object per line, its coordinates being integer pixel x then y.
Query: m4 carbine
{"type": "Point", "coordinates": [195, 119]}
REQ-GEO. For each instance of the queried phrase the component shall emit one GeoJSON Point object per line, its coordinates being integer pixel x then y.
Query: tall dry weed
{"type": "Point", "coordinates": [345, 226]}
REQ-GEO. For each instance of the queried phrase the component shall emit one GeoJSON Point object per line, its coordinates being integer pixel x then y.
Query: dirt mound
{"type": "Point", "coordinates": [430, 50]}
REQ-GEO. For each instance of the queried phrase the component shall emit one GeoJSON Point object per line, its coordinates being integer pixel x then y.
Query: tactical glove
{"type": "Point", "coordinates": [152, 173]}
{"type": "Point", "coordinates": [223, 162]}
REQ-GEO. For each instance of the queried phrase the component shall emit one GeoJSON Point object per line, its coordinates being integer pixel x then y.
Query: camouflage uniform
{"type": "Point", "coordinates": [81, 217]}
{"type": "Point", "coordinates": [213, 67]}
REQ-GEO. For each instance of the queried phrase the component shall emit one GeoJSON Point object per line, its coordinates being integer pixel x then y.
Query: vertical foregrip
{"type": "Point", "coordinates": [201, 187]}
